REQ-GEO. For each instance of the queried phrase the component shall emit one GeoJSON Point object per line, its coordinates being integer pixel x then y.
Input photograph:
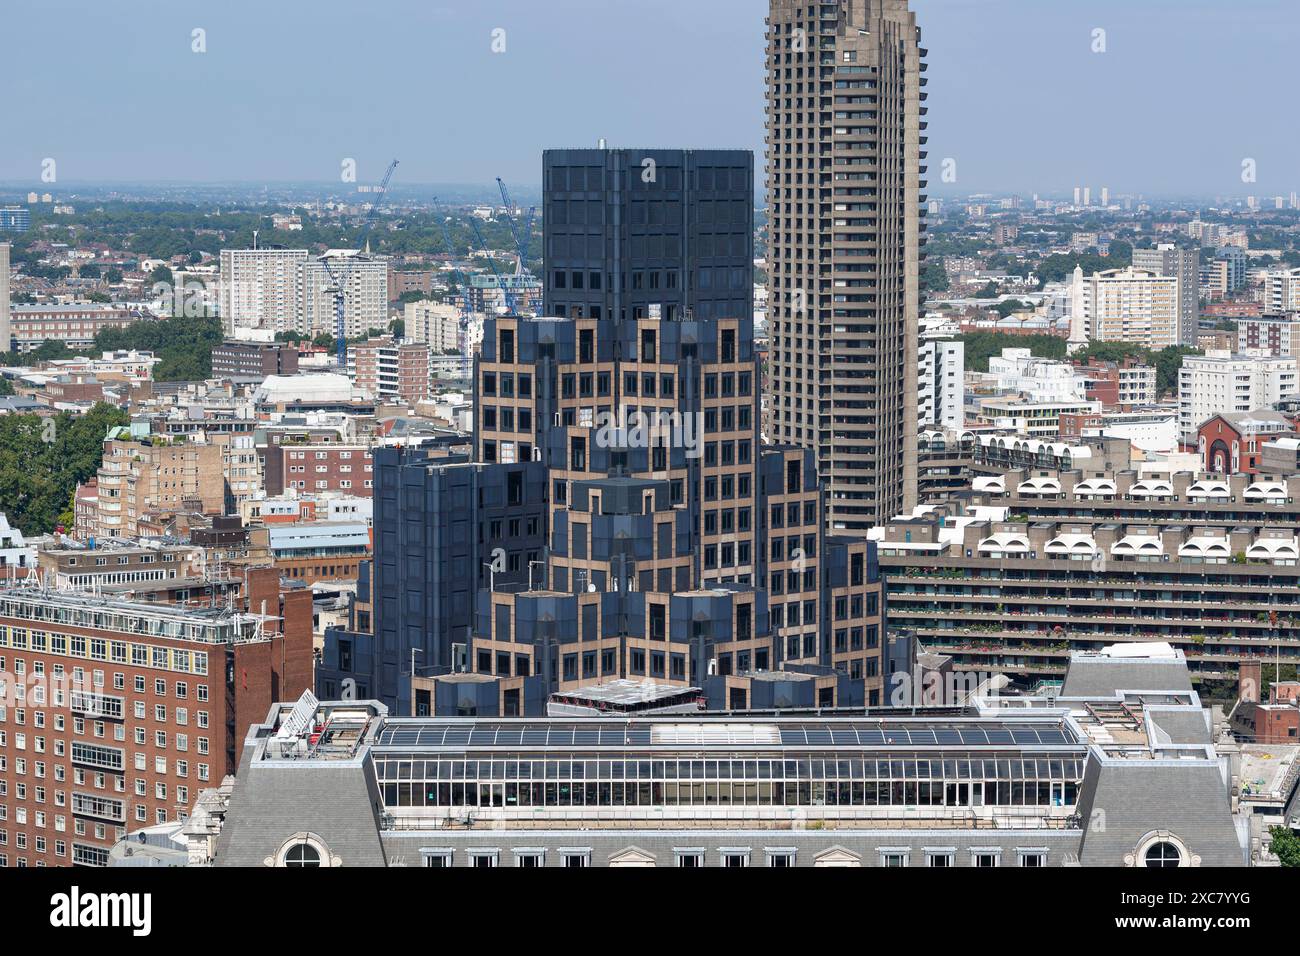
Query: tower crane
{"type": "Point", "coordinates": [338, 278]}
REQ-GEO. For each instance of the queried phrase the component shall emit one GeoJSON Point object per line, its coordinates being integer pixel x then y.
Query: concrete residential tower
{"type": "Point", "coordinates": [4, 297]}
{"type": "Point", "coordinates": [845, 130]}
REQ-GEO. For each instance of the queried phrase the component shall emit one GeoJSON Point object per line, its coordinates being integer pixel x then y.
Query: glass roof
{"type": "Point", "coordinates": [601, 732]}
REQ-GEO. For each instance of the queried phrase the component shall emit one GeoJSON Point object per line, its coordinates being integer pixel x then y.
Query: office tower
{"type": "Point", "coordinates": [1128, 305]}
{"type": "Point", "coordinates": [365, 293]}
{"type": "Point", "coordinates": [5, 332]}
{"type": "Point", "coordinates": [1078, 195]}
{"type": "Point", "coordinates": [1105, 195]}
{"type": "Point", "coordinates": [845, 130]}
{"type": "Point", "coordinates": [1087, 195]}
{"type": "Point", "coordinates": [1167, 259]}
{"type": "Point", "coordinates": [261, 289]}
{"type": "Point", "coordinates": [628, 229]}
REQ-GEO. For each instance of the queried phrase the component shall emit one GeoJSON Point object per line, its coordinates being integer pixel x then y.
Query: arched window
{"type": "Point", "coordinates": [1163, 853]}
{"type": "Point", "coordinates": [304, 854]}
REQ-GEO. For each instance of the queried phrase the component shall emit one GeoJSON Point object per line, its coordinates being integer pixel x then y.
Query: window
{"type": "Point", "coordinates": [302, 854]}
{"type": "Point", "coordinates": [1033, 857]}
{"type": "Point", "coordinates": [1162, 853]}
{"type": "Point", "coordinates": [893, 858]}
{"type": "Point", "coordinates": [938, 857]}
{"type": "Point", "coordinates": [984, 858]}
{"type": "Point", "coordinates": [439, 858]}
{"type": "Point", "coordinates": [780, 857]}
{"type": "Point", "coordinates": [530, 858]}
{"type": "Point", "coordinates": [486, 858]}
{"type": "Point", "coordinates": [735, 857]}
{"type": "Point", "coordinates": [689, 857]}
{"type": "Point", "coordinates": [576, 858]}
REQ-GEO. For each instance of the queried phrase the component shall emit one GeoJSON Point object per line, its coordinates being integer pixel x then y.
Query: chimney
{"type": "Point", "coordinates": [1250, 675]}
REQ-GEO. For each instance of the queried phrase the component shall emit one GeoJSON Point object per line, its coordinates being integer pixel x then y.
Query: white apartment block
{"type": "Point", "coordinates": [5, 332]}
{"type": "Point", "coordinates": [1037, 379]}
{"type": "Point", "coordinates": [1128, 305]}
{"type": "Point", "coordinates": [365, 293]}
{"type": "Point", "coordinates": [435, 324]}
{"type": "Point", "coordinates": [261, 289]}
{"type": "Point", "coordinates": [1222, 382]}
{"type": "Point", "coordinates": [941, 380]}
{"type": "Point", "coordinates": [1281, 291]}
{"type": "Point", "coordinates": [1137, 385]}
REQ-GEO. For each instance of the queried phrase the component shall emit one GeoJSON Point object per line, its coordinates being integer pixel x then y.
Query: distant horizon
{"type": "Point", "coordinates": [1023, 96]}
{"type": "Point", "coordinates": [70, 188]}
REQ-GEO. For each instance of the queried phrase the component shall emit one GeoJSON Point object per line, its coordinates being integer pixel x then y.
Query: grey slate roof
{"type": "Point", "coordinates": [1098, 676]}
{"type": "Point", "coordinates": [277, 799]}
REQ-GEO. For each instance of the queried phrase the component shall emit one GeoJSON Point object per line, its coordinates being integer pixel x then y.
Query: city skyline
{"type": "Point", "coordinates": [1017, 92]}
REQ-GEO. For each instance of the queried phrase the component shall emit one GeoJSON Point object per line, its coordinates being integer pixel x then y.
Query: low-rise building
{"type": "Point", "coordinates": [1232, 443]}
{"type": "Point", "coordinates": [997, 783]}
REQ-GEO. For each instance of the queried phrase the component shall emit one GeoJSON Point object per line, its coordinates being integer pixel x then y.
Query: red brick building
{"type": "Point", "coordinates": [116, 714]}
{"type": "Point", "coordinates": [1230, 443]}
{"type": "Point", "coordinates": [319, 467]}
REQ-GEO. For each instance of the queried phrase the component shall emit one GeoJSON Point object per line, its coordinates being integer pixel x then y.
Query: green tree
{"type": "Point", "coordinates": [1007, 306]}
{"type": "Point", "coordinates": [1285, 845]}
{"type": "Point", "coordinates": [980, 345]}
{"type": "Point", "coordinates": [1169, 361]}
{"type": "Point", "coordinates": [934, 278]}
{"type": "Point", "coordinates": [43, 459]}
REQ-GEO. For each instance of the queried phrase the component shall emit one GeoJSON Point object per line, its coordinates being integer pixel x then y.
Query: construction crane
{"type": "Point", "coordinates": [465, 303]}
{"type": "Point", "coordinates": [523, 240]}
{"type": "Point", "coordinates": [339, 279]}
{"type": "Point", "coordinates": [506, 291]}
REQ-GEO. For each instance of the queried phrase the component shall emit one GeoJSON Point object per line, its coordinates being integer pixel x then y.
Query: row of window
{"type": "Point", "coordinates": [691, 857]}
{"type": "Point", "coordinates": [117, 652]}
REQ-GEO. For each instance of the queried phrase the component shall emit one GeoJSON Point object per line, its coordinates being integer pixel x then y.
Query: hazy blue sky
{"type": "Point", "coordinates": [288, 88]}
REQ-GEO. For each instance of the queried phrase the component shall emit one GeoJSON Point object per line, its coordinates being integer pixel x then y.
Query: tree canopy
{"type": "Point", "coordinates": [43, 459]}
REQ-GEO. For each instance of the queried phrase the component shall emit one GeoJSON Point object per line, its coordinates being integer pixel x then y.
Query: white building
{"type": "Point", "coordinates": [1127, 305]}
{"type": "Point", "coordinates": [15, 554]}
{"type": "Point", "coordinates": [365, 293]}
{"type": "Point", "coordinates": [1281, 291]}
{"type": "Point", "coordinates": [941, 380]}
{"type": "Point", "coordinates": [1219, 381]}
{"type": "Point", "coordinates": [1038, 379]}
{"type": "Point", "coordinates": [435, 324]}
{"type": "Point", "coordinates": [261, 289]}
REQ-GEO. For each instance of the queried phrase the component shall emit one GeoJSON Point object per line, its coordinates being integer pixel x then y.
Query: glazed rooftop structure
{"type": "Point", "coordinates": [1005, 782]}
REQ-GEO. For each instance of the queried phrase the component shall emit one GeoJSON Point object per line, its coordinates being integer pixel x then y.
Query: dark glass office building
{"type": "Point", "coordinates": [627, 229]}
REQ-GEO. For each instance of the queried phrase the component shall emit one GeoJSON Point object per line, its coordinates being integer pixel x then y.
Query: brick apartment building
{"type": "Point", "coordinates": [116, 714]}
{"type": "Point", "coordinates": [319, 467]}
{"type": "Point", "coordinates": [390, 371]}
{"type": "Point", "coordinates": [73, 325]}
{"type": "Point", "coordinates": [254, 360]}
{"type": "Point", "coordinates": [144, 474]}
